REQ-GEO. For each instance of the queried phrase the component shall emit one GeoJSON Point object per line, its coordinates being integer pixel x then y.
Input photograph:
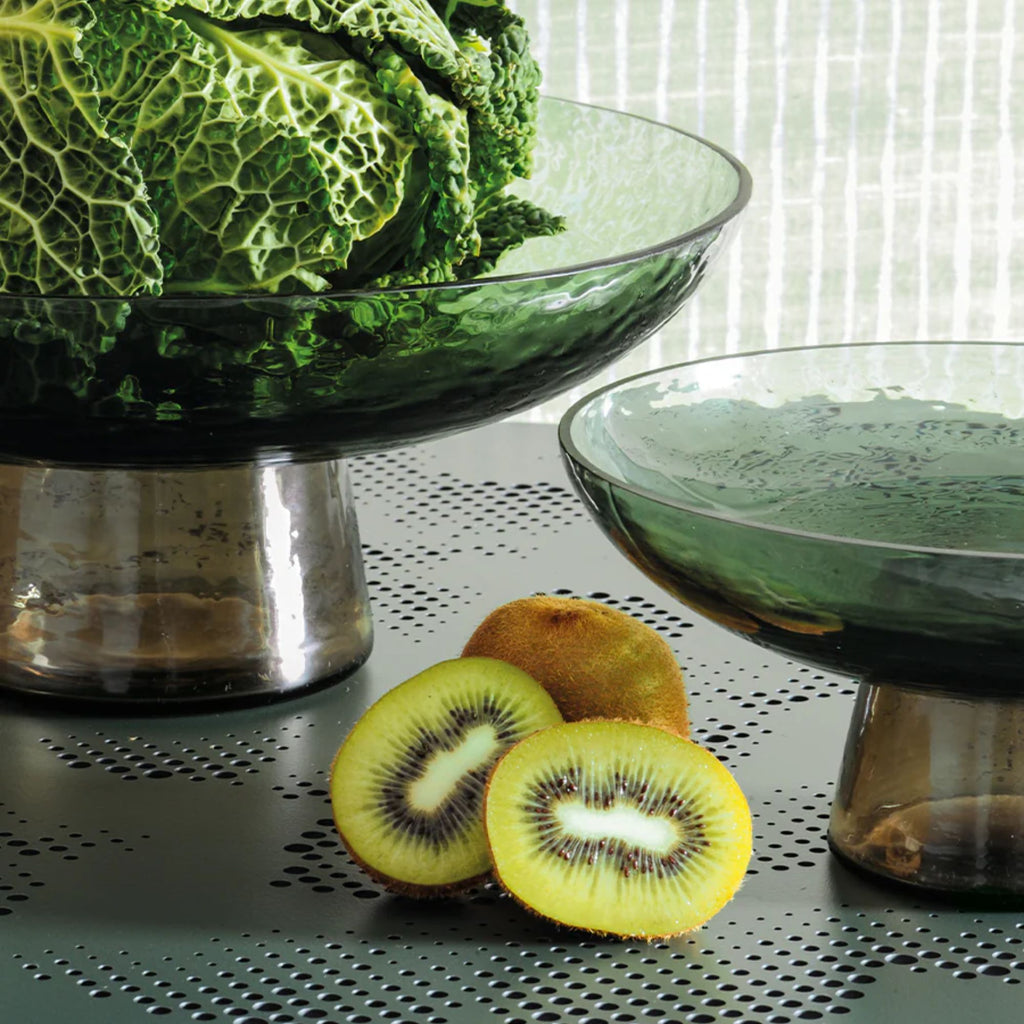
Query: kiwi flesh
{"type": "Point", "coordinates": [407, 784]}
{"type": "Point", "coordinates": [595, 660]}
{"type": "Point", "coordinates": [617, 828]}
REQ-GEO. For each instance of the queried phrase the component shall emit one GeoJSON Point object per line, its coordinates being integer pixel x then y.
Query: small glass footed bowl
{"type": "Point", "coordinates": [859, 508]}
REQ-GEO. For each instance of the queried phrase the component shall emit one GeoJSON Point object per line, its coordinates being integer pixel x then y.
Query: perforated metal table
{"type": "Point", "coordinates": [186, 866]}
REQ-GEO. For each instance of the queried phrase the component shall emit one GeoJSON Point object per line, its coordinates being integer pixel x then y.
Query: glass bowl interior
{"type": "Point", "coordinates": [857, 507]}
{"type": "Point", "coordinates": [200, 380]}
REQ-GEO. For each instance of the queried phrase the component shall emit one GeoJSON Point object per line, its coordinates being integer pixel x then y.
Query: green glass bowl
{"type": "Point", "coordinates": [861, 509]}
{"type": "Point", "coordinates": [858, 508]}
{"type": "Point", "coordinates": [199, 380]}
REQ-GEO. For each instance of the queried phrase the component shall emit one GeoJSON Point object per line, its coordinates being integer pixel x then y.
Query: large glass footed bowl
{"type": "Point", "coordinates": [199, 380]}
{"type": "Point", "coordinates": [860, 508]}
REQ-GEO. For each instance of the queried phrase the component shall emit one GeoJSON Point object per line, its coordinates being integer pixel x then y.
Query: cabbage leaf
{"type": "Point", "coordinates": [241, 201]}
{"type": "Point", "coordinates": [238, 147]}
{"type": "Point", "coordinates": [308, 83]}
{"type": "Point", "coordinates": [74, 211]}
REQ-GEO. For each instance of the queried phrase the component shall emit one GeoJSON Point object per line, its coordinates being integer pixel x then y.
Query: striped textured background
{"type": "Point", "coordinates": [885, 140]}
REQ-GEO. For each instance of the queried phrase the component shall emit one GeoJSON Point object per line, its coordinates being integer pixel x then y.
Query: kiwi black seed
{"type": "Point", "coordinates": [407, 784]}
{"type": "Point", "coordinates": [624, 856]}
{"type": "Point", "coordinates": [617, 828]}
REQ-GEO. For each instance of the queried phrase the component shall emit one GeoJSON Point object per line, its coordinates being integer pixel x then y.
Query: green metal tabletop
{"type": "Point", "coordinates": [186, 866]}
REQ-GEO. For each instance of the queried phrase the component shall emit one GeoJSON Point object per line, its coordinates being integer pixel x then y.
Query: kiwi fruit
{"type": "Point", "coordinates": [617, 828]}
{"type": "Point", "coordinates": [596, 661]}
{"type": "Point", "coordinates": [407, 784]}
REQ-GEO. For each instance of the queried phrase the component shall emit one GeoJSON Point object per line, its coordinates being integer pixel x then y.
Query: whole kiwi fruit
{"type": "Point", "coordinates": [596, 661]}
{"type": "Point", "coordinates": [617, 828]}
{"type": "Point", "coordinates": [406, 785]}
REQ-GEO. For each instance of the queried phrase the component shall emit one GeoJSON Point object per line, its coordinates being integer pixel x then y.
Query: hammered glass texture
{"type": "Point", "coordinates": [204, 380]}
{"type": "Point", "coordinates": [696, 472]}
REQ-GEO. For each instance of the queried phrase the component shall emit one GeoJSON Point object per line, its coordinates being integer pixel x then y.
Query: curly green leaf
{"type": "Point", "coordinates": [74, 211]}
{"type": "Point", "coordinates": [241, 200]}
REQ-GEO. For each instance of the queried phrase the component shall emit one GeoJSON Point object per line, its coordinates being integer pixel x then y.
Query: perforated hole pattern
{"type": "Point", "coordinates": [234, 900]}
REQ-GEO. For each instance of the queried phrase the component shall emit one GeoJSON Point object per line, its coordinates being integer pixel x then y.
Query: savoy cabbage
{"type": "Point", "coordinates": [244, 146]}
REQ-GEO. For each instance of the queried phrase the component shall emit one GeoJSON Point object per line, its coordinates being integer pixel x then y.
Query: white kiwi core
{"type": "Point", "coordinates": [624, 823]}
{"type": "Point", "coordinates": [446, 768]}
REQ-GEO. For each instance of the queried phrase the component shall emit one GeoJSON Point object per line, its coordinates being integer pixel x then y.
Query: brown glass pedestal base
{"type": "Point", "coordinates": [196, 585]}
{"type": "Point", "coordinates": [931, 791]}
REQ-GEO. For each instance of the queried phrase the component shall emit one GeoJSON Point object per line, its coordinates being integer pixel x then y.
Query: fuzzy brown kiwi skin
{"type": "Point", "coordinates": [496, 875]}
{"type": "Point", "coordinates": [399, 886]}
{"type": "Point", "coordinates": [539, 649]}
{"type": "Point", "coordinates": [411, 889]}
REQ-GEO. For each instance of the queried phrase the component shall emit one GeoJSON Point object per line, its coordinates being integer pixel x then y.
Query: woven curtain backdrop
{"type": "Point", "coordinates": [886, 144]}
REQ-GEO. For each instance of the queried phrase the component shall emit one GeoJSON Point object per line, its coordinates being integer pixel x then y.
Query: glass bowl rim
{"type": "Point", "coordinates": [571, 451]}
{"type": "Point", "coordinates": [744, 187]}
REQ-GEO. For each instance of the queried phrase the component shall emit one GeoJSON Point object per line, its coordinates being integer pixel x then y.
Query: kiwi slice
{"type": "Point", "coordinates": [617, 828]}
{"type": "Point", "coordinates": [407, 784]}
{"type": "Point", "coordinates": [595, 660]}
